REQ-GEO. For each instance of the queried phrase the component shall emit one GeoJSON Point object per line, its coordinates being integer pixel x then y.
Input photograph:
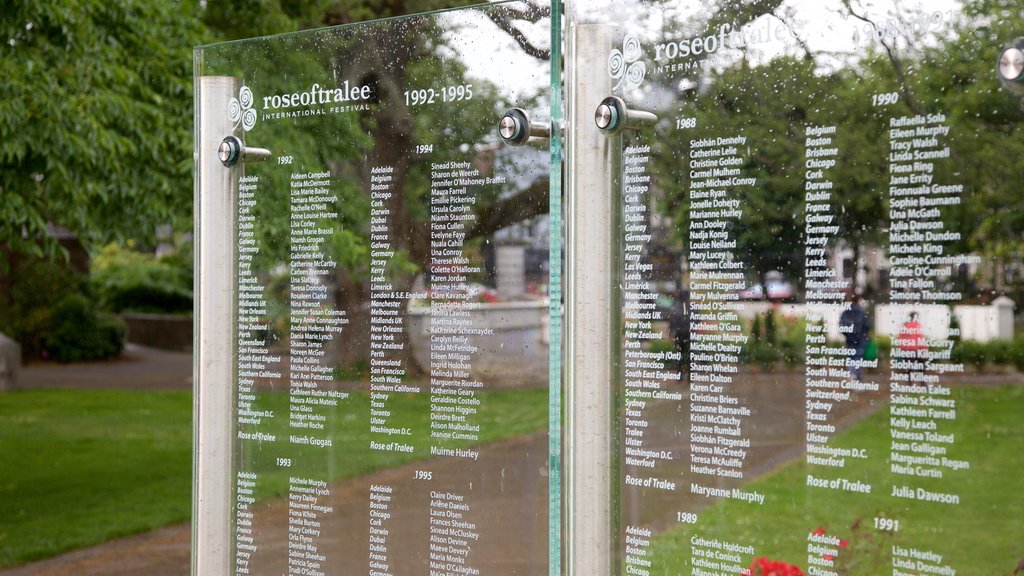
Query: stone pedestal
{"type": "Point", "coordinates": [10, 363]}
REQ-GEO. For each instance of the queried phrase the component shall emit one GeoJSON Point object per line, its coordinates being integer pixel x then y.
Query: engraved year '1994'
{"type": "Point", "coordinates": [442, 94]}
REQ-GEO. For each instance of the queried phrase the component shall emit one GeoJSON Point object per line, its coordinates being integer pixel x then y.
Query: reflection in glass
{"type": "Point", "coordinates": [819, 247]}
{"type": "Point", "coordinates": [391, 332]}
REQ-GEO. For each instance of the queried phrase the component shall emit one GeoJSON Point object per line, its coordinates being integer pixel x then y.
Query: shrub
{"type": "Point", "coordinates": [770, 333]}
{"type": "Point", "coordinates": [1000, 352]}
{"type": "Point", "coordinates": [760, 353]}
{"type": "Point", "coordinates": [661, 346]}
{"type": "Point", "coordinates": [1017, 354]}
{"type": "Point", "coordinates": [28, 315]}
{"type": "Point", "coordinates": [134, 281]}
{"type": "Point", "coordinates": [884, 344]}
{"type": "Point", "coordinates": [80, 333]}
{"type": "Point", "coordinates": [971, 353]}
{"type": "Point", "coordinates": [793, 341]}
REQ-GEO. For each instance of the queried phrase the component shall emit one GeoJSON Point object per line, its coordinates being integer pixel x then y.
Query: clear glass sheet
{"type": "Point", "coordinates": [392, 333]}
{"type": "Point", "coordinates": [806, 155]}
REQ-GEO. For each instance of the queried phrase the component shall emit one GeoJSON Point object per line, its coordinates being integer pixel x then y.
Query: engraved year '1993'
{"type": "Point", "coordinates": [442, 94]}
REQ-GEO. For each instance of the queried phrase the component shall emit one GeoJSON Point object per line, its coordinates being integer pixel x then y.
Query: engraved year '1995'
{"type": "Point", "coordinates": [442, 94]}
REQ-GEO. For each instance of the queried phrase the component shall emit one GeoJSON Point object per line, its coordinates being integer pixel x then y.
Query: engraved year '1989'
{"type": "Point", "coordinates": [442, 94]}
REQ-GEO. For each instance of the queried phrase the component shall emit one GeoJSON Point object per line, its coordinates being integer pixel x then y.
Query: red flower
{"type": "Point", "coordinates": [766, 567]}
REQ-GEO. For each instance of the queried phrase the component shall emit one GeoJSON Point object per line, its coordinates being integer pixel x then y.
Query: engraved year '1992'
{"type": "Point", "coordinates": [442, 94]}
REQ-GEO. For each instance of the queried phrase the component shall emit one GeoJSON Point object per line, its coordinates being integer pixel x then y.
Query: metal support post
{"type": "Point", "coordinates": [215, 201]}
{"type": "Point", "coordinates": [591, 313]}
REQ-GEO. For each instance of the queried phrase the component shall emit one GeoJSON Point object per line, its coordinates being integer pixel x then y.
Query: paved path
{"type": "Point", "coordinates": [139, 368]}
{"type": "Point", "coordinates": [518, 463]}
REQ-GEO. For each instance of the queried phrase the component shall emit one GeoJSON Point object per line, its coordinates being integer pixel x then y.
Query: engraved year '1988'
{"type": "Point", "coordinates": [683, 123]}
{"type": "Point", "coordinates": [442, 94]}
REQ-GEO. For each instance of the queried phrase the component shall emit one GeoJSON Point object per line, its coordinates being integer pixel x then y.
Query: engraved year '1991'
{"type": "Point", "coordinates": [442, 94]}
{"type": "Point", "coordinates": [887, 524]}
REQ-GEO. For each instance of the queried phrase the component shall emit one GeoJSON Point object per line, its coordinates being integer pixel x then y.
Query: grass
{"type": "Point", "coordinates": [982, 535]}
{"type": "Point", "coordinates": [501, 415]}
{"type": "Point", "coordinates": [85, 466]}
{"type": "Point", "coordinates": [79, 467]}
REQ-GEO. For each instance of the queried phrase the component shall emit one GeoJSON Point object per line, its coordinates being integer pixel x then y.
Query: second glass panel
{"type": "Point", "coordinates": [816, 369]}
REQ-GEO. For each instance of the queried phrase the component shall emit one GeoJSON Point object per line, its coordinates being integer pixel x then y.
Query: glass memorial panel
{"type": "Point", "coordinates": [391, 330]}
{"type": "Point", "coordinates": [818, 265]}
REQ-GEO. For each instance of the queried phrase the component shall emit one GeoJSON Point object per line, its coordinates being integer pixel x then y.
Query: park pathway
{"type": "Point", "coordinates": [166, 552]}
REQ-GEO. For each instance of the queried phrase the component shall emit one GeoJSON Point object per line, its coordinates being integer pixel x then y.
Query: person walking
{"type": "Point", "coordinates": [854, 326]}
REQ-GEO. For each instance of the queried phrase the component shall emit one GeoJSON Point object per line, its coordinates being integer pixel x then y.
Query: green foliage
{"type": "Point", "coordinates": [52, 313]}
{"type": "Point", "coordinates": [770, 335]}
{"type": "Point", "coordinates": [780, 340]}
{"type": "Point", "coordinates": [972, 354]}
{"type": "Point", "coordinates": [78, 332]}
{"type": "Point", "coordinates": [126, 280]}
{"type": "Point", "coordinates": [28, 315]}
{"type": "Point", "coordinates": [95, 118]}
{"type": "Point", "coordinates": [995, 353]}
{"type": "Point", "coordinates": [1000, 352]}
{"type": "Point", "coordinates": [358, 371]}
{"type": "Point", "coordinates": [661, 346]}
{"type": "Point", "coordinates": [761, 354]}
{"type": "Point", "coordinates": [884, 344]}
{"type": "Point", "coordinates": [772, 104]}
{"type": "Point", "coordinates": [989, 431]}
{"type": "Point", "coordinates": [1017, 354]}
{"type": "Point", "coordinates": [793, 341]}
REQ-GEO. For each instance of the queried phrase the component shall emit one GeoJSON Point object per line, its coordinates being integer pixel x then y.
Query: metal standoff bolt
{"type": "Point", "coordinates": [613, 116]}
{"type": "Point", "coordinates": [1010, 66]}
{"type": "Point", "coordinates": [232, 151]}
{"type": "Point", "coordinates": [516, 129]}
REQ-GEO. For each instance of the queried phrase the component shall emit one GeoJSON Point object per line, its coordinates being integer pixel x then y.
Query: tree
{"type": "Point", "coordinates": [95, 119]}
{"type": "Point", "coordinates": [949, 73]}
{"type": "Point", "coordinates": [392, 59]}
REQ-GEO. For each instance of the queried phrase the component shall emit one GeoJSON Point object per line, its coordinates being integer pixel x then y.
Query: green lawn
{"type": "Point", "coordinates": [78, 467]}
{"type": "Point", "coordinates": [983, 535]}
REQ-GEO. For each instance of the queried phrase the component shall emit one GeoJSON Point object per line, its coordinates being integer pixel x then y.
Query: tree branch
{"type": "Point", "coordinates": [894, 59]}
{"type": "Point", "coordinates": [522, 206]}
{"type": "Point", "coordinates": [504, 21]}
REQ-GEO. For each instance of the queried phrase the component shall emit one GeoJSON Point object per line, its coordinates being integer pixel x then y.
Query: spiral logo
{"type": "Point", "coordinates": [625, 65]}
{"type": "Point", "coordinates": [240, 110]}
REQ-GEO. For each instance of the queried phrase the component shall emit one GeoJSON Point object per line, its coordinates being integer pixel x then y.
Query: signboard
{"type": "Point", "coordinates": [388, 409]}
{"type": "Point", "coordinates": [840, 185]}
{"type": "Point", "coordinates": [793, 258]}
